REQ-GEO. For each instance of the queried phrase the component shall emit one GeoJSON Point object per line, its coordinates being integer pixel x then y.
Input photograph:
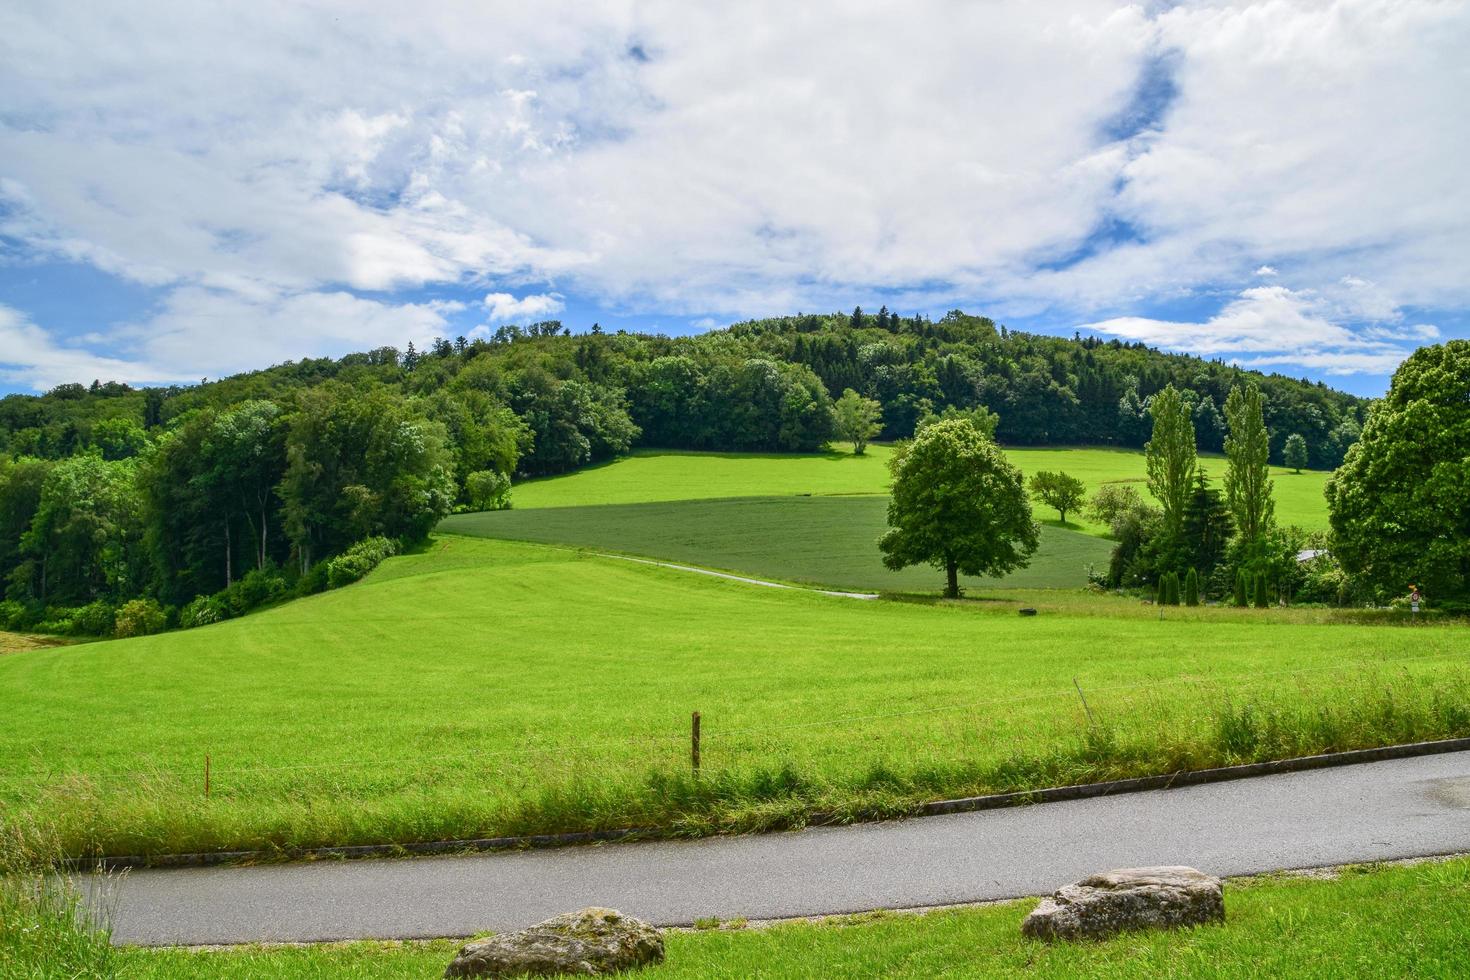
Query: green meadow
{"type": "Point", "coordinates": [1370, 921]}
{"type": "Point", "coordinates": [827, 541]}
{"type": "Point", "coordinates": [656, 476]}
{"type": "Point", "coordinates": [487, 687]}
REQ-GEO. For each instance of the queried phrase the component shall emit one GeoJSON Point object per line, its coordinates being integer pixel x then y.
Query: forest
{"type": "Point", "coordinates": [136, 508]}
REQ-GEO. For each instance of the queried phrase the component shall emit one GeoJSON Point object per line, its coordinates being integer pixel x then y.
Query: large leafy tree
{"type": "Point", "coordinates": [1247, 466]}
{"type": "Point", "coordinates": [857, 419]}
{"type": "Point", "coordinates": [1058, 490]}
{"type": "Point", "coordinates": [1170, 457]}
{"type": "Point", "coordinates": [359, 463]}
{"type": "Point", "coordinates": [1400, 503]}
{"type": "Point", "coordinates": [83, 542]}
{"type": "Point", "coordinates": [958, 505]}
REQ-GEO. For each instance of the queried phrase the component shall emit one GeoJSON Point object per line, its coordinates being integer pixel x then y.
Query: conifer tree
{"type": "Point", "coordinates": [1191, 588]}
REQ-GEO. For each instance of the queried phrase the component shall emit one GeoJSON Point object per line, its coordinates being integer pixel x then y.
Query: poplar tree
{"type": "Point", "coordinates": [1170, 457]}
{"type": "Point", "coordinates": [1247, 454]}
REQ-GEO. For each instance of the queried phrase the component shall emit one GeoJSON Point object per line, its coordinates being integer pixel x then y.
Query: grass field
{"type": "Point", "coordinates": [1372, 922]}
{"type": "Point", "coordinates": [652, 475]}
{"type": "Point", "coordinates": [486, 687]}
{"type": "Point", "coordinates": [830, 541]}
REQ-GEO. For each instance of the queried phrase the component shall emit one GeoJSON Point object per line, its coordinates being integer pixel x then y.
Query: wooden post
{"type": "Point", "coordinates": [694, 741]}
{"type": "Point", "coordinates": [206, 775]}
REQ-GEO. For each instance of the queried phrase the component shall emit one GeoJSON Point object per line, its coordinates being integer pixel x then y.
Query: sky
{"type": "Point", "coordinates": [192, 190]}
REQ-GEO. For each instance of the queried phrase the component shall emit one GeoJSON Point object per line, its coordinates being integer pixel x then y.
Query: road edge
{"type": "Point", "coordinates": [968, 804]}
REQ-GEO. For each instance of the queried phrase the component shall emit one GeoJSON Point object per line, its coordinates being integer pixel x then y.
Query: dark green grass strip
{"type": "Point", "coordinates": [828, 541]}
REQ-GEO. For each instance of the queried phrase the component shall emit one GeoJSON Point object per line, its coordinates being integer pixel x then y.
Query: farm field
{"type": "Point", "coordinates": [487, 687]}
{"type": "Point", "coordinates": [1368, 921]}
{"type": "Point", "coordinates": [653, 475]}
{"type": "Point", "coordinates": [829, 541]}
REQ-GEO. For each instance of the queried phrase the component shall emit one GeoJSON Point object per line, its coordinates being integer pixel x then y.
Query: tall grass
{"type": "Point", "coordinates": [47, 930]}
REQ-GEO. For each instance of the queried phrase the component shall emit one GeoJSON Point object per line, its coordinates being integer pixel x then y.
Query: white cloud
{"type": "Point", "coordinates": [1280, 327]}
{"type": "Point", "coordinates": [30, 357]}
{"type": "Point", "coordinates": [764, 157]}
{"type": "Point", "coordinates": [505, 308]}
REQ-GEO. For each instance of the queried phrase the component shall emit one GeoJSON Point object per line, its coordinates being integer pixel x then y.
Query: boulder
{"type": "Point", "coordinates": [586, 943]}
{"type": "Point", "coordinates": [1132, 898]}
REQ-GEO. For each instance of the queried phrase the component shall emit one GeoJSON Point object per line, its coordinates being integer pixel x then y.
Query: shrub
{"type": "Point", "coordinates": [13, 615]}
{"type": "Point", "coordinates": [314, 581]}
{"type": "Point", "coordinates": [254, 588]}
{"type": "Point", "coordinates": [487, 490]}
{"type": "Point", "coordinates": [358, 560]}
{"type": "Point", "coordinates": [1191, 588]}
{"type": "Point", "coordinates": [94, 619]}
{"type": "Point", "coordinates": [1241, 596]}
{"type": "Point", "coordinates": [1262, 599]}
{"type": "Point", "coordinates": [202, 611]}
{"type": "Point", "coordinates": [139, 617]}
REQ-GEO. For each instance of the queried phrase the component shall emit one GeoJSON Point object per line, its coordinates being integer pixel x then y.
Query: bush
{"type": "Point", "coordinates": [202, 611]}
{"type": "Point", "coordinates": [314, 581]}
{"type": "Point", "coordinates": [139, 617]}
{"type": "Point", "coordinates": [1241, 596]}
{"type": "Point", "coordinates": [1191, 588]}
{"type": "Point", "coordinates": [94, 619]}
{"type": "Point", "coordinates": [487, 490]}
{"type": "Point", "coordinates": [254, 588]}
{"type": "Point", "coordinates": [358, 560]}
{"type": "Point", "coordinates": [1262, 599]}
{"type": "Point", "coordinates": [13, 615]}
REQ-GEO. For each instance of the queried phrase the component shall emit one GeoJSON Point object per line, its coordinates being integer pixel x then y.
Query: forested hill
{"type": "Point", "coordinates": [751, 386]}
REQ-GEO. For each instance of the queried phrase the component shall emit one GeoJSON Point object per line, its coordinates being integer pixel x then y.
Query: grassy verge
{"type": "Point", "coordinates": [1382, 922]}
{"type": "Point", "coordinates": [44, 931]}
{"type": "Point", "coordinates": [827, 541]}
{"type": "Point", "coordinates": [485, 688]}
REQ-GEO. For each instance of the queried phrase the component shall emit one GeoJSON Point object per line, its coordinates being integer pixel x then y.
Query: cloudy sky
{"type": "Point", "coordinates": [187, 192]}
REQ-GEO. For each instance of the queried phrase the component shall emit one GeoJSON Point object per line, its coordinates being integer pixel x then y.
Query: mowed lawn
{"type": "Point", "coordinates": [487, 687]}
{"type": "Point", "coordinates": [1372, 922]}
{"type": "Point", "coordinates": [828, 541]}
{"type": "Point", "coordinates": [657, 475]}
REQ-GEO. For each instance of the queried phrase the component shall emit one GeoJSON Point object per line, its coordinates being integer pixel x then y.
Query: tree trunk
{"type": "Point", "coordinates": [951, 567]}
{"type": "Point", "coordinates": [229, 567]}
{"type": "Point", "coordinates": [263, 528]}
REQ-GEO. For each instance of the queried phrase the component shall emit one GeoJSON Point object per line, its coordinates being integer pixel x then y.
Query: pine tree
{"type": "Point", "coordinates": [1191, 588]}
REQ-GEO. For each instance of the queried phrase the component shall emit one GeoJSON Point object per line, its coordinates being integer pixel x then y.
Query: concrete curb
{"type": "Point", "coordinates": [963, 805]}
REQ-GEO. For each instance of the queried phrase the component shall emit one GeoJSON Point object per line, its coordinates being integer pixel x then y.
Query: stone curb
{"type": "Point", "coordinates": [963, 805]}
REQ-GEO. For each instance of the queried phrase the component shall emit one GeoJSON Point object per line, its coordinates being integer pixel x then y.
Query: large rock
{"type": "Point", "coordinates": [586, 943]}
{"type": "Point", "coordinates": [1132, 898]}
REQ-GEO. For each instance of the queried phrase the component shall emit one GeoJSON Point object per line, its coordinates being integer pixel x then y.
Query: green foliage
{"type": "Point", "coordinates": [981, 417]}
{"type": "Point", "coordinates": [1168, 592]}
{"type": "Point", "coordinates": [203, 610]}
{"type": "Point", "coordinates": [1191, 588]}
{"type": "Point", "coordinates": [1207, 527]}
{"type": "Point", "coordinates": [361, 464]}
{"type": "Point", "coordinates": [119, 438]}
{"type": "Point", "coordinates": [957, 505]}
{"type": "Point", "coordinates": [1114, 503]}
{"type": "Point", "coordinates": [84, 539]}
{"type": "Point", "coordinates": [1400, 504]}
{"type": "Point", "coordinates": [1294, 454]}
{"type": "Point", "coordinates": [856, 419]}
{"type": "Point", "coordinates": [1247, 473]}
{"type": "Point", "coordinates": [1170, 457]}
{"type": "Point", "coordinates": [1260, 592]}
{"type": "Point", "coordinates": [1240, 597]}
{"type": "Point", "coordinates": [487, 490]}
{"type": "Point", "coordinates": [358, 560]}
{"type": "Point", "coordinates": [1058, 490]}
{"type": "Point", "coordinates": [139, 617]}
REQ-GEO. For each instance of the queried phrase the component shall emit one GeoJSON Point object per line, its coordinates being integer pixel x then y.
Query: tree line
{"type": "Point", "coordinates": [212, 498]}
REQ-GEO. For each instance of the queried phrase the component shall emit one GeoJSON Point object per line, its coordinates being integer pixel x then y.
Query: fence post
{"type": "Point", "coordinates": [206, 775]}
{"type": "Point", "coordinates": [694, 741]}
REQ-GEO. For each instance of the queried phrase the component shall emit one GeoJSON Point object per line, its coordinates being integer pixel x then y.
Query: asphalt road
{"type": "Point", "coordinates": [1376, 811]}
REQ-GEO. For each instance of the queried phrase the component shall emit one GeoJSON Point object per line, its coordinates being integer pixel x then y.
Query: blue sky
{"type": "Point", "coordinates": [187, 193]}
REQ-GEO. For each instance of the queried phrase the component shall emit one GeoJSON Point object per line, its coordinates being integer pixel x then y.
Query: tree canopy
{"type": "Point", "coordinates": [958, 505]}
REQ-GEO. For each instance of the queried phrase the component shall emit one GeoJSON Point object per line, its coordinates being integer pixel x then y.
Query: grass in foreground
{"type": "Point", "coordinates": [1371, 922]}
{"type": "Point", "coordinates": [661, 475]}
{"type": "Point", "coordinates": [829, 541]}
{"type": "Point", "coordinates": [485, 688]}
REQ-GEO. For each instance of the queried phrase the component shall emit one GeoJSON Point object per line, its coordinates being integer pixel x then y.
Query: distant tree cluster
{"type": "Point", "coordinates": [241, 490]}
